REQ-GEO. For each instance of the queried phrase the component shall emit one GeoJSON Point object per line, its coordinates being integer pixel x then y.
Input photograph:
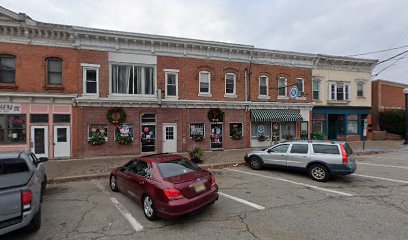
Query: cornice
{"type": "Point", "coordinates": [12, 97]}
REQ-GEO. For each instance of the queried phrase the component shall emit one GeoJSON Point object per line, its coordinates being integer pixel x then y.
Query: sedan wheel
{"type": "Point", "coordinates": [113, 185]}
{"type": "Point", "coordinates": [148, 208]}
{"type": "Point", "coordinates": [319, 173]}
{"type": "Point", "coordinates": [255, 163]}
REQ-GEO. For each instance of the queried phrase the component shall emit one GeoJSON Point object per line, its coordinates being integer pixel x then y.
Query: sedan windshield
{"type": "Point", "coordinates": [176, 168]}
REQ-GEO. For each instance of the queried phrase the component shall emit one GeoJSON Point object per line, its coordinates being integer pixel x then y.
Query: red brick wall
{"type": "Point", "coordinates": [374, 99]}
{"type": "Point", "coordinates": [95, 57]}
{"type": "Point", "coordinates": [392, 96]}
{"type": "Point", "coordinates": [273, 72]}
{"type": "Point", "coordinates": [189, 77]}
{"type": "Point", "coordinates": [31, 67]}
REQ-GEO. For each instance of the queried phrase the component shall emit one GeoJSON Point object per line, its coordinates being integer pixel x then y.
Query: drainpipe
{"type": "Point", "coordinates": [246, 85]}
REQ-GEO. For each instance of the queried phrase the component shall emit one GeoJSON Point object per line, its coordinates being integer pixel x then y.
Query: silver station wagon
{"type": "Point", "coordinates": [321, 159]}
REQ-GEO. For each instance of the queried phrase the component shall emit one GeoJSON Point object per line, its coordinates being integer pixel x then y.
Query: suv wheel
{"type": "Point", "coordinates": [319, 173]}
{"type": "Point", "coordinates": [255, 163]}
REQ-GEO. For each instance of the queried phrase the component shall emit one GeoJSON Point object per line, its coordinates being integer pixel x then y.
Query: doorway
{"type": "Point", "coordinates": [39, 141]}
{"type": "Point", "coordinates": [62, 141]}
{"type": "Point", "coordinates": [148, 130]}
{"type": "Point", "coordinates": [169, 137]}
{"type": "Point", "coordinates": [332, 133]}
{"type": "Point", "coordinates": [216, 135]}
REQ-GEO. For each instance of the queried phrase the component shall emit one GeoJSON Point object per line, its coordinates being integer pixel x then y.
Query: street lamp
{"type": "Point", "coordinates": [406, 115]}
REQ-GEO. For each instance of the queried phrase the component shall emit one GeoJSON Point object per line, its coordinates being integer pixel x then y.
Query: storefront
{"type": "Point", "coordinates": [44, 129]}
{"type": "Point", "coordinates": [269, 126]}
{"type": "Point", "coordinates": [340, 123]}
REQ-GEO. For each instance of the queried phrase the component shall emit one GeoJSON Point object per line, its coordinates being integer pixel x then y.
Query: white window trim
{"type": "Point", "coordinates": [86, 67]}
{"type": "Point", "coordinates": [362, 84]}
{"type": "Point", "coordinates": [125, 95]}
{"type": "Point", "coordinates": [286, 88]}
{"type": "Point", "coordinates": [303, 87]}
{"type": "Point", "coordinates": [241, 130]}
{"type": "Point", "coordinates": [318, 83]}
{"type": "Point", "coordinates": [204, 94]}
{"type": "Point", "coordinates": [234, 94]}
{"type": "Point", "coordinates": [166, 73]}
{"type": "Point", "coordinates": [267, 88]}
{"type": "Point", "coordinates": [335, 91]}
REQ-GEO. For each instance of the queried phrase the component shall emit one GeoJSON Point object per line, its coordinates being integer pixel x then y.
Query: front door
{"type": "Point", "coordinates": [216, 136]}
{"type": "Point", "coordinates": [39, 140]}
{"type": "Point", "coordinates": [62, 141]}
{"type": "Point", "coordinates": [276, 155]}
{"type": "Point", "coordinates": [148, 138]}
{"type": "Point", "coordinates": [332, 127]}
{"type": "Point", "coordinates": [169, 137]}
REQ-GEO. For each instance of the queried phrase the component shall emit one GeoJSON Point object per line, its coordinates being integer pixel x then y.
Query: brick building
{"type": "Point", "coordinates": [65, 91]}
{"type": "Point", "coordinates": [387, 95]}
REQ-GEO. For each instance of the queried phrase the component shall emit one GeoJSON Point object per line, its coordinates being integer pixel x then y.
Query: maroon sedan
{"type": "Point", "coordinates": [166, 185]}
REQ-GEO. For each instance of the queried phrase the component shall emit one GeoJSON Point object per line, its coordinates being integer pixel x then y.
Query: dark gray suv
{"type": "Point", "coordinates": [321, 159]}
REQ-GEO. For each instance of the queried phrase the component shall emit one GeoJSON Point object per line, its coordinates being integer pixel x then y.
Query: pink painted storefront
{"type": "Point", "coordinates": [43, 128]}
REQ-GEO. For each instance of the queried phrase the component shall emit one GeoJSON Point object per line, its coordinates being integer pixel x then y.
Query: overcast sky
{"type": "Point", "coordinates": [344, 27]}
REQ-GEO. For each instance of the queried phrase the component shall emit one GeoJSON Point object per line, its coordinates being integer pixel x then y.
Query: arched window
{"type": "Point", "coordinates": [7, 69]}
{"type": "Point", "coordinates": [54, 71]}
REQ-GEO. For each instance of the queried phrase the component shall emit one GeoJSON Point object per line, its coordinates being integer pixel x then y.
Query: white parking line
{"type": "Point", "coordinates": [132, 221]}
{"type": "Point", "coordinates": [369, 157]}
{"type": "Point", "coordinates": [293, 182]}
{"type": "Point", "coordinates": [135, 224]}
{"type": "Point", "coordinates": [381, 178]}
{"type": "Point", "coordinates": [254, 205]}
{"type": "Point", "coordinates": [382, 165]}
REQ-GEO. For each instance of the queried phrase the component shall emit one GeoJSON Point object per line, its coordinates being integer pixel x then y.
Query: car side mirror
{"type": "Point", "coordinates": [43, 159]}
{"type": "Point", "coordinates": [270, 150]}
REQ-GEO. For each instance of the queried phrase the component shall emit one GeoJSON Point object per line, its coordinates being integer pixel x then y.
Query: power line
{"type": "Point", "coordinates": [379, 51]}
{"type": "Point", "coordinates": [390, 58]}
{"type": "Point", "coordinates": [392, 64]}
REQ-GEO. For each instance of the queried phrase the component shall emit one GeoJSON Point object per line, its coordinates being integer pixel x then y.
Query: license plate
{"type": "Point", "coordinates": [199, 187]}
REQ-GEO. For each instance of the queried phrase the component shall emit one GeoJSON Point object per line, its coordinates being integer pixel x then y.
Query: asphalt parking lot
{"type": "Point", "coordinates": [267, 204]}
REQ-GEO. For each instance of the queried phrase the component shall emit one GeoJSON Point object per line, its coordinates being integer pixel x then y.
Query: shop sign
{"type": "Point", "coordinates": [365, 127]}
{"type": "Point", "coordinates": [293, 92]}
{"type": "Point", "coordinates": [261, 128]}
{"type": "Point", "coordinates": [10, 108]}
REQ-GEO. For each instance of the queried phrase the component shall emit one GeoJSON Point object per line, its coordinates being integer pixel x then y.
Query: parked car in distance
{"type": "Point", "coordinates": [321, 159]}
{"type": "Point", "coordinates": [165, 185]}
{"type": "Point", "coordinates": [22, 185]}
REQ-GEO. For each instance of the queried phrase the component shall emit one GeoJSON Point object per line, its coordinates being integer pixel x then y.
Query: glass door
{"type": "Point", "coordinates": [39, 141]}
{"type": "Point", "coordinates": [148, 130]}
{"type": "Point", "coordinates": [216, 136]}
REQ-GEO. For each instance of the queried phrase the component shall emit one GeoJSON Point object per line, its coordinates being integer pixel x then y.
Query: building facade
{"type": "Point", "coordinates": [342, 93]}
{"type": "Point", "coordinates": [386, 96]}
{"type": "Point", "coordinates": [73, 92]}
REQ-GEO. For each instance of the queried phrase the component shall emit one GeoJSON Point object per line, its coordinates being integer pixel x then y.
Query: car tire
{"type": "Point", "coordinates": [255, 163]}
{"type": "Point", "coordinates": [43, 187]}
{"type": "Point", "coordinates": [35, 223]}
{"type": "Point", "coordinates": [148, 208]}
{"type": "Point", "coordinates": [319, 173]}
{"type": "Point", "coordinates": [113, 183]}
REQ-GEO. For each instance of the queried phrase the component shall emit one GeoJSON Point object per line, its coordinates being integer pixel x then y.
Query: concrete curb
{"type": "Point", "coordinates": [106, 175]}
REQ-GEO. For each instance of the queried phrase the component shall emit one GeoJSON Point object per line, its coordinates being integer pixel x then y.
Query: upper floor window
{"type": "Point", "coordinates": [300, 84]}
{"type": "Point", "coordinates": [282, 86]}
{"type": "Point", "coordinates": [90, 78]}
{"type": "Point", "coordinates": [316, 89]}
{"type": "Point", "coordinates": [54, 71]}
{"type": "Point", "coordinates": [132, 79]}
{"type": "Point", "coordinates": [263, 86]}
{"type": "Point", "coordinates": [339, 91]}
{"type": "Point", "coordinates": [171, 83]}
{"type": "Point", "coordinates": [230, 84]}
{"type": "Point", "coordinates": [205, 82]}
{"type": "Point", "coordinates": [7, 69]}
{"type": "Point", "coordinates": [360, 89]}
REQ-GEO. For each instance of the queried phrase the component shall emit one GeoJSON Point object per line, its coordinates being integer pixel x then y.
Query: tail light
{"type": "Point", "coordinates": [26, 199]}
{"type": "Point", "coordinates": [173, 194]}
{"type": "Point", "coordinates": [212, 181]}
{"type": "Point", "coordinates": [344, 154]}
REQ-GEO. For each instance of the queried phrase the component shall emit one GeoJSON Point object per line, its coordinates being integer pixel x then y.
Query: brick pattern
{"type": "Point", "coordinates": [31, 69]}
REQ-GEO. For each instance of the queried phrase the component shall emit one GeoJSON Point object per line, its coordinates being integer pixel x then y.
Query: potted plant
{"type": "Point", "coordinates": [262, 138]}
{"type": "Point", "coordinates": [237, 135]}
{"type": "Point", "coordinates": [196, 154]}
{"type": "Point", "coordinates": [96, 139]}
{"type": "Point", "coordinates": [197, 137]}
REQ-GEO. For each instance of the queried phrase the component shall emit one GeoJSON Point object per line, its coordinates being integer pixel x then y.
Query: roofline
{"type": "Point", "coordinates": [391, 83]}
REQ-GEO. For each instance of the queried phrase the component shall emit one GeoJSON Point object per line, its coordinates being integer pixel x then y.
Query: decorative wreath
{"type": "Point", "coordinates": [116, 115]}
{"type": "Point", "coordinates": [215, 115]}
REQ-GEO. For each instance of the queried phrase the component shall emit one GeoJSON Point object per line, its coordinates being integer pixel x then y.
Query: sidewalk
{"type": "Point", "coordinates": [77, 169]}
